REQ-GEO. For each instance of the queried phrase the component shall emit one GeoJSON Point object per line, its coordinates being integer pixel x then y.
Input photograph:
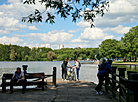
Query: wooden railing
{"type": "Point", "coordinates": [125, 89]}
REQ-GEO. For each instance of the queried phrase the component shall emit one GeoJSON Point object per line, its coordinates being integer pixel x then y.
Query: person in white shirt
{"type": "Point", "coordinates": [18, 77]}
{"type": "Point", "coordinates": [77, 69]}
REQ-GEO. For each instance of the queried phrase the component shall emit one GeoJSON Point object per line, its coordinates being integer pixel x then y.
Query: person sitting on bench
{"type": "Point", "coordinates": [18, 77]}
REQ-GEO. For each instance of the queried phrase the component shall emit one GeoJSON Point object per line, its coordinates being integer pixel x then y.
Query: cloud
{"type": "Point", "coordinates": [12, 40]}
{"type": "Point", "coordinates": [120, 11]}
{"type": "Point", "coordinates": [73, 31]}
{"type": "Point", "coordinates": [33, 28]}
{"type": "Point", "coordinates": [9, 25]}
{"type": "Point", "coordinates": [94, 34]}
{"type": "Point", "coordinates": [54, 36]}
{"type": "Point", "coordinates": [83, 24]}
{"type": "Point", "coordinates": [118, 30]}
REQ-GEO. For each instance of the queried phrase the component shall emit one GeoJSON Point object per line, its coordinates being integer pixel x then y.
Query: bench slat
{"type": "Point", "coordinates": [27, 75]}
{"type": "Point", "coordinates": [34, 75]}
{"type": "Point", "coordinates": [27, 83]}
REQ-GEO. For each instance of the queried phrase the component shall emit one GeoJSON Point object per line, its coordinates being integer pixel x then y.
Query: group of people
{"type": "Point", "coordinates": [64, 68]}
{"type": "Point", "coordinates": [104, 69]}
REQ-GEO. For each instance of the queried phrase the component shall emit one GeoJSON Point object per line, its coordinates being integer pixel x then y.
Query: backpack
{"type": "Point", "coordinates": [79, 64]}
{"type": "Point", "coordinates": [63, 66]}
{"type": "Point", "coordinates": [102, 66]}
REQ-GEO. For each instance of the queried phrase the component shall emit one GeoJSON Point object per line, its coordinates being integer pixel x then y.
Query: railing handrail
{"type": "Point", "coordinates": [125, 89]}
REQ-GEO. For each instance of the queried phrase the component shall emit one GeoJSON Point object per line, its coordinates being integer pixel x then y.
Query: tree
{"type": "Point", "coordinates": [86, 9]}
{"type": "Point", "coordinates": [108, 49]}
{"type": "Point", "coordinates": [50, 55]}
{"type": "Point", "coordinates": [13, 54]}
{"type": "Point", "coordinates": [130, 42]}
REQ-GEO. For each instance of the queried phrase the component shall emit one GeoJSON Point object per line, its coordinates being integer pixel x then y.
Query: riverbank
{"type": "Point", "coordinates": [124, 63]}
{"type": "Point", "coordinates": [66, 91]}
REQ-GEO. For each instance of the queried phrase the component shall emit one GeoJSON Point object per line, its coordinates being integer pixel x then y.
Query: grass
{"type": "Point", "coordinates": [126, 62]}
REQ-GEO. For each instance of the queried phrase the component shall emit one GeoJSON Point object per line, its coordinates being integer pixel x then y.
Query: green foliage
{"type": "Point", "coordinates": [109, 49]}
{"type": "Point", "coordinates": [86, 9]}
{"type": "Point", "coordinates": [50, 55]}
{"type": "Point", "coordinates": [18, 53]}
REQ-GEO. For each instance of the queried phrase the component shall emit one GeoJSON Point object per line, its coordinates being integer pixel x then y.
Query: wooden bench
{"type": "Point", "coordinates": [39, 80]}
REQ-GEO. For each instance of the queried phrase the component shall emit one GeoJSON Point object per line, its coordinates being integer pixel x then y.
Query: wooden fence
{"type": "Point", "coordinates": [125, 89]}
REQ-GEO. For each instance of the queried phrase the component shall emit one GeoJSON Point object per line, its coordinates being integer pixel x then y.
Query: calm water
{"type": "Point", "coordinates": [88, 72]}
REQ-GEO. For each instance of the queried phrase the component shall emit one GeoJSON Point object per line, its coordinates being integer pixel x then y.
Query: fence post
{"type": "Point", "coordinates": [132, 90]}
{"type": "Point", "coordinates": [121, 73]}
{"type": "Point", "coordinates": [25, 68]}
{"type": "Point", "coordinates": [106, 82]}
{"type": "Point", "coordinates": [130, 77]}
{"type": "Point", "coordinates": [135, 88]}
{"type": "Point", "coordinates": [54, 76]}
{"type": "Point", "coordinates": [113, 78]}
{"type": "Point", "coordinates": [3, 84]}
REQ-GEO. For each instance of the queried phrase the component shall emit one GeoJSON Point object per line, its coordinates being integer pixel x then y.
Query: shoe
{"type": "Point", "coordinates": [100, 93]}
{"type": "Point", "coordinates": [97, 93]}
{"type": "Point", "coordinates": [65, 80]}
{"type": "Point", "coordinates": [23, 92]}
{"type": "Point", "coordinates": [11, 92]}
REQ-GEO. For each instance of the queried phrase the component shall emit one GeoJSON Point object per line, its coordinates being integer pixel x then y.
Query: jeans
{"type": "Point", "coordinates": [21, 82]}
{"type": "Point", "coordinates": [99, 86]}
{"type": "Point", "coordinates": [77, 72]}
{"type": "Point", "coordinates": [64, 74]}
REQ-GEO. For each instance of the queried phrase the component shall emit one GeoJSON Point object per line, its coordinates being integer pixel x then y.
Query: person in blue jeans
{"type": "Point", "coordinates": [18, 77]}
{"type": "Point", "coordinates": [101, 74]}
{"type": "Point", "coordinates": [77, 69]}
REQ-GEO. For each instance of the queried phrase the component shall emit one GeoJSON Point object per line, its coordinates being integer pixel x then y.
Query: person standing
{"type": "Point", "coordinates": [101, 74]}
{"type": "Point", "coordinates": [77, 66]}
{"type": "Point", "coordinates": [18, 77]}
{"type": "Point", "coordinates": [64, 68]}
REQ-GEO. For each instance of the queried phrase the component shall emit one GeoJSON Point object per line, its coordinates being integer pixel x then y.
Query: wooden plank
{"type": "Point", "coordinates": [116, 93]}
{"type": "Point", "coordinates": [8, 76]}
{"type": "Point", "coordinates": [27, 84]}
{"type": "Point", "coordinates": [33, 75]}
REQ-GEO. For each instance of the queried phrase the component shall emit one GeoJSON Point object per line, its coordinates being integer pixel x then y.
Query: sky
{"type": "Point", "coordinates": [122, 15]}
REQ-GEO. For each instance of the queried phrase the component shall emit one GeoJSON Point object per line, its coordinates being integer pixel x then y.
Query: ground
{"type": "Point", "coordinates": [66, 91]}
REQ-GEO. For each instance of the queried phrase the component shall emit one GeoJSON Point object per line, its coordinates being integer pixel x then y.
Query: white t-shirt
{"type": "Point", "coordinates": [18, 76]}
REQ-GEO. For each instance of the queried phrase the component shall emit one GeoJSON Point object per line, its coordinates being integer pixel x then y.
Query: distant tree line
{"type": "Point", "coordinates": [19, 53]}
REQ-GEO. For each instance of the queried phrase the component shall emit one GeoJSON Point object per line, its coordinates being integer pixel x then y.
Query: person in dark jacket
{"type": "Point", "coordinates": [64, 69]}
{"type": "Point", "coordinates": [101, 74]}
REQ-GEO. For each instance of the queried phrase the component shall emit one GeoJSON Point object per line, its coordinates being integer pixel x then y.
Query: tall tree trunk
{"type": "Point", "coordinates": [135, 59]}
{"type": "Point", "coordinates": [130, 58]}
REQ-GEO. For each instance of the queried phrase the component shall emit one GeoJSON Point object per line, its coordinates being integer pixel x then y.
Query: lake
{"type": "Point", "coordinates": [88, 72]}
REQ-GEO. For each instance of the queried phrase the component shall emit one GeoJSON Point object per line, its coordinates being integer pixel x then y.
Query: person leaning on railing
{"type": "Point", "coordinates": [101, 74]}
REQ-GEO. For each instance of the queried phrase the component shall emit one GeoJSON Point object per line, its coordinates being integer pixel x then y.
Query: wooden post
{"type": "Point", "coordinates": [43, 83]}
{"type": "Point", "coordinates": [25, 68]}
{"type": "Point", "coordinates": [121, 73]}
{"type": "Point", "coordinates": [132, 90]}
{"type": "Point", "coordinates": [106, 82]}
{"type": "Point", "coordinates": [54, 76]}
{"type": "Point", "coordinates": [135, 86]}
{"type": "Point", "coordinates": [113, 78]}
{"type": "Point", "coordinates": [130, 77]}
{"type": "Point", "coordinates": [3, 84]}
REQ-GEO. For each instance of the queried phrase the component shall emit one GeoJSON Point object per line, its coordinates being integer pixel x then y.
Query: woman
{"type": "Point", "coordinates": [77, 69]}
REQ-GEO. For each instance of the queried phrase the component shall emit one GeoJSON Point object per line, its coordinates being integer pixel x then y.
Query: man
{"type": "Point", "coordinates": [77, 66]}
{"type": "Point", "coordinates": [18, 77]}
{"type": "Point", "coordinates": [64, 68]}
{"type": "Point", "coordinates": [101, 75]}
